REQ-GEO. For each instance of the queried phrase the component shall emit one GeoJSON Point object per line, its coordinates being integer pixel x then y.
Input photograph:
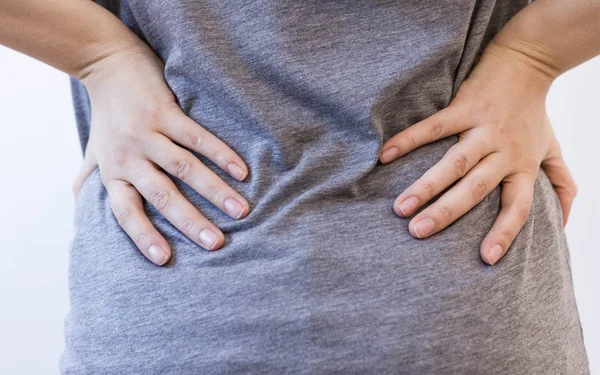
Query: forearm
{"type": "Point", "coordinates": [70, 35]}
{"type": "Point", "coordinates": [555, 35]}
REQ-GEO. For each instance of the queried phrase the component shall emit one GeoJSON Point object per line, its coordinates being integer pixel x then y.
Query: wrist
{"type": "Point", "coordinates": [124, 70]}
{"type": "Point", "coordinates": [129, 78]}
{"type": "Point", "coordinates": [522, 66]}
{"type": "Point", "coordinates": [533, 54]}
{"type": "Point", "coordinates": [107, 62]}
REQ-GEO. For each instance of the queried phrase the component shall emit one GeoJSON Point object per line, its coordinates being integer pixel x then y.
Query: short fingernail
{"type": "Point", "coordinates": [208, 238]}
{"type": "Point", "coordinates": [237, 171]}
{"type": "Point", "coordinates": [409, 205]}
{"type": "Point", "coordinates": [389, 153]}
{"type": "Point", "coordinates": [234, 207]}
{"type": "Point", "coordinates": [424, 227]}
{"type": "Point", "coordinates": [157, 254]}
{"type": "Point", "coordinates": [494, 254]}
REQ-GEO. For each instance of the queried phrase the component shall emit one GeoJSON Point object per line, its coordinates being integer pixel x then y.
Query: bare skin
{"type": "Point", "coordinates": [500, 118]}
{"type": "Point", "coordinates": [137, 127]}
{"type": "Point", "coordinates": [132, 142]}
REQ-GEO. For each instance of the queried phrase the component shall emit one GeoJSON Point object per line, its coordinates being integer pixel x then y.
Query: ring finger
{"type": "Point", "coordinates": [185, 166]}
{"type": "Point", "coordinates": [160, 191]}
{"type": "Point", "coordinates": [455, 164]}
{"type": "Point", "coordinates": [193, 136]}
{"type": "Point", "coordinates": [467, 193]}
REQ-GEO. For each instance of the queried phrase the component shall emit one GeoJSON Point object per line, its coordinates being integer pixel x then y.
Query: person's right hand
{"type": "Point", "coordinates": [137, 127]}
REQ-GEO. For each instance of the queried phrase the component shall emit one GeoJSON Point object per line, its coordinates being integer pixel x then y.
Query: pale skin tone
{"type": "Point", "coordinates": [503, 136]}
{"type": "Point", "coordinates": [503, 129]}
{"type": "Point", "coordinates": [133, 159]}
{"type": "Point", "coordinates": [138, 130]}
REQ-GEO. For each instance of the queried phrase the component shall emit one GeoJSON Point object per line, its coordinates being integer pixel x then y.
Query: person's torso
{"type": "Point", "coordinates": [306, 92]}
{"type": "Point", "coordinates": [321, 276]}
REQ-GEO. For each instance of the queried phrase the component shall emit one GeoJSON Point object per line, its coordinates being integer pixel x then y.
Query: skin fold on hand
{"type": "Point", "coordinates": [137, 134]}
{"type": "Point", "coordinates": [138, 131]}
{"type": "Point", "coordinates": [504, 137]}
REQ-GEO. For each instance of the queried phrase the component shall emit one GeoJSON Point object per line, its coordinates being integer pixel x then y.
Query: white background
{"type": "Point", "coordinates": [40, 155]}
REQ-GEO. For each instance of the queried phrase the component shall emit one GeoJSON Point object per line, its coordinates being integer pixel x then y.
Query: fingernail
{"type": "Point", "coordinates": [424, 227]}
{"type": "Point", "coordinates": [157, 254]}
{"type": "Point", "coordinates": [410, 204]}
{"type": "Point", "coordinates": [389, 153]}
{"type": "Point", "coordinates": [237, 171]}
{"type": "Point", "coordinates": [234, 208]}
{"type": "Point", "coordinates": [208, 238]}
{"type": "Point", "coordinates": [494, 254]}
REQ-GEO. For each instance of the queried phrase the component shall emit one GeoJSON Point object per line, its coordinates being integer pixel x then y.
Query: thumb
{"type": "Point", "coordinates": [560, 177]}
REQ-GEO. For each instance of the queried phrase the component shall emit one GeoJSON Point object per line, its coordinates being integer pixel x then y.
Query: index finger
{"type": "Point", "coordinates": [440, 125]}
{"type": "Point", "coordinates": [192, 135]}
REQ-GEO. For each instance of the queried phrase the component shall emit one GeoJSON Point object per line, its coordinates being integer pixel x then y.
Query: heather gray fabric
{"type": "Point", "coordinates": [321, 277]}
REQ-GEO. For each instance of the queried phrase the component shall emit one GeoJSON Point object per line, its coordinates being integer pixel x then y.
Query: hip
{"type": "Point", "coordinates": [334, 283]}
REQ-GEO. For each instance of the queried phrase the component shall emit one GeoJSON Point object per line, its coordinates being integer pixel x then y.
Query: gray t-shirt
{"type": "Point", "coordinates": [321, 276]}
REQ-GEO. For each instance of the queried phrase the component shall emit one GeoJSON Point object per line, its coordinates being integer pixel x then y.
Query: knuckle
{"type": "Point", "coordinates": [140, 238]}
{"type": "Point", "coordinates": [119, 155]}
{"type": "Point", "coordinates": [479, 190]}
{"type": "Point", "coordinates": [156, 110]}
{"type": "Point", "coordinates": [410, 141]}
{"type": "Point", "coordinates": [214, 192]}
{"type": "Point", "coordinates": [122, 214]}
{"type": "Point", "coordinates": [159, 199]}
{"type": "Point", "coordinates": [196, 140]}
{"type": "Point", "coordinates": [159, 111]}
{"type": "Point", "coordinates": [487, 142]}
{"type": "Point", "coordinates": [429, 189]}
{"type": "Point", "coordinates": [128, 133]}
{"type": "Point", "coordinates": [461, 165]}
{"type": "Point", "coordinates": [183, 169]}
{"type": "Point", "coordinates": [109, 173]}
{"type": "Point", "coordinates": [446, 213]}
{"type": "Point", "coordinates": [219, 155]}
{"type": "Point", "coordinates": [483, 105]}
{"type": "Point", "coordinates": [168, 105]}
{"type": "Point", "coordinates": [505, 131]}
{"type": "Point", "coordinates": [187, 225]}
{"type": "Point", "coordinates": [531, 168]}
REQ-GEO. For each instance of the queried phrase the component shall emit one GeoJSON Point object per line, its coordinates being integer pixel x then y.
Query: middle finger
{"type": "Point", "coordinates": [161, 192]}
{"type": "Point", "coordinates": [184, 165]}
{"type": "Point", "coordinates": [468, 192]}
{"type": "Point", "coordinates": [455, 164]}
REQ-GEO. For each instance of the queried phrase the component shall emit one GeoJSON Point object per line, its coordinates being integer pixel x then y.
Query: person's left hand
{"type": "Point", "coordinates": [504, 136]}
